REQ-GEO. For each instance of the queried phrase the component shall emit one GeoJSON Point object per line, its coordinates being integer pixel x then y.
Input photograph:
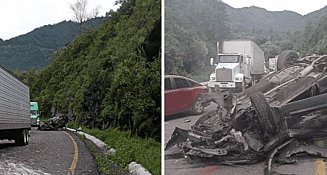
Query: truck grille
{"type": "Point", "coordinates": [33, 121]}
{"type": "Point", "coordinates": [224, 74]}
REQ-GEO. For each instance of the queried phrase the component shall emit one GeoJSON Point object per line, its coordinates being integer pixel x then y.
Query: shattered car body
{"type": "Point", "coordinates": [286, 106]}
{"type": "Point", "coordinates": [54, 123]}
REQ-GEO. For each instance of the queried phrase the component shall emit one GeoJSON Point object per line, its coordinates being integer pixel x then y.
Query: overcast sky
{"type": "Point", "coordinates": [18, 17]}
{"type": "Point", "coordinates": [302, 7]}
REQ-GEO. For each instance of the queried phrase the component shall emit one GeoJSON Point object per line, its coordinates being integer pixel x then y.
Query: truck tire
{"type": "Point", "coordinates": [265, 115]}
{"type": "Point", "coordinates": [286, 57]}
{"type": "Point", "coordinates": [240, 86]}
{"type": "Point", "coordinates": [197, 106]}
{"type": "Point", "coordinates": [27, 137]}
{"type": "Point", "coordinates": [21, 138]}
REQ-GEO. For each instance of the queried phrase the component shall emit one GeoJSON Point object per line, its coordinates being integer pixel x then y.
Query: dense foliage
{"type": "Point", "coordinates": [193, 27]}
{"type": "Point", "coordinates": [109, 77]}
{"type": "Point", "coordinates": [313, 40]}
{"type": "Point", "coordinates": [35, 49]}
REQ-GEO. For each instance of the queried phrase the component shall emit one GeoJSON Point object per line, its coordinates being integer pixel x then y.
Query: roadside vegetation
{"type": "Point", "coordinates": [192, 29]}
{"type": "Point", "coordinates": [110, 78]}
{"type": "Point", "coordinates": [129, 148]}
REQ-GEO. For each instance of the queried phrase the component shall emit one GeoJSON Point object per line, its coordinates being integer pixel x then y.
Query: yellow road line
{"type": "Point", "coordinates": [320, 168]}
{"type": "Point", "coordinates": [74, 163]}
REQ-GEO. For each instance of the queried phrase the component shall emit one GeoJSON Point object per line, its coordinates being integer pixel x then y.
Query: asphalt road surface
{"type": "Point", "coordinates": [175, 164]}
{"type": "Point", "coordinates": [49, 152]}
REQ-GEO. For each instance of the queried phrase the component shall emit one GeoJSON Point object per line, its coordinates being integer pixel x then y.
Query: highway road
{"type": "Point", "coordinates": [49, 152]}
{"type": "Point", "coordinates": [175, 164]}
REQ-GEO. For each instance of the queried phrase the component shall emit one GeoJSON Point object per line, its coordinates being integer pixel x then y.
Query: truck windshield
{"type": "Point", "coordinates": [228, 59]}
{"type": "Point", "coordinates": [33, 112]}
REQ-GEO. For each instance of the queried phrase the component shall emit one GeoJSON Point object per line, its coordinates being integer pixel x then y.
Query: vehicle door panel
{"type": "Point", "coordinates": [169, 97]}
{"type": "Point", "coordinates": [182, 95]}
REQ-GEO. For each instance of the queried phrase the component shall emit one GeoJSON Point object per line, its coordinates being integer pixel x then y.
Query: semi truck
{"type": "Point", "coordinates": [15, 121]}
{"type": "Point", "coordinates": [239, 64]}
{"type": "Point", "coordinates": [34, 110]}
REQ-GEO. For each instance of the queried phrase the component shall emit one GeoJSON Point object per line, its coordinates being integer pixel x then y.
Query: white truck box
{"type": "Point", "coordinates": [250, 48]}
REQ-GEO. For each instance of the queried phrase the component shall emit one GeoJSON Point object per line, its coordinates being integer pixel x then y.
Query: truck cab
{"type": "Point", "coordinates": [231, 71]}
{"type": "Point", "coordinates": [35, 116]}
{"type": "Point", "coordinates": [238, 63]}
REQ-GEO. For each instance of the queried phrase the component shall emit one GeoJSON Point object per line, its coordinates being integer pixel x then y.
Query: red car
{"type": "Point", "coordinates": [183, 95]}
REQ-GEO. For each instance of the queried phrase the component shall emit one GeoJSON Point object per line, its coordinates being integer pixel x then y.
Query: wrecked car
{"type": "Point", "coordinates": [54, 123]}
{"type": "Point", "coordinates": [287, 107]}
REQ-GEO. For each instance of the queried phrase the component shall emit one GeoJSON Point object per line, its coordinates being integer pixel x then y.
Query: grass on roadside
{"type": "Point", "coordinates": [129, 148]}
{"type": "Point", "coordinates": [105, 166]}
{"type": "Point", "coordinates": [43, 119]}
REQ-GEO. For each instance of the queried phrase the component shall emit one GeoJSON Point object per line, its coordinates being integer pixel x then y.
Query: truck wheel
{"type": "Point", "coordinates": [286, 57]}
{"type": "Point", "coordinates": [21, 138]}
{"type": "Point", "coordinates": [264, 112]}
{"type": "Point", "coordinates": [27, 137]}
{"type": "Point", "coordinates": [240, 87]}
{"type": "Point", "coordinates": [197, 106]}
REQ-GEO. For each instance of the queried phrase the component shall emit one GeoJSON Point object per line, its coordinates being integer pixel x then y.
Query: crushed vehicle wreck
{"type": "Point", "coordinates": [286, 107]}
{"type": "Point", "coordinates": [54, 123]}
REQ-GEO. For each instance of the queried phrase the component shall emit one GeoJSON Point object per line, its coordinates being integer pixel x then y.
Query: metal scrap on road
{"type": "Point", "coordinates": [287, 107]}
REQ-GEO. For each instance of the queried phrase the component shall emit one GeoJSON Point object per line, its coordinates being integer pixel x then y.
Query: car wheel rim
{"type": "Point", "coordinates": [198, 106]}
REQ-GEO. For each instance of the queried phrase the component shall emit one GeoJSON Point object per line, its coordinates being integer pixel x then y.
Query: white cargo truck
{"type": "Point", "coordinates": [240, 63]}
{"type": "Point", "coordinates": [15, 121]}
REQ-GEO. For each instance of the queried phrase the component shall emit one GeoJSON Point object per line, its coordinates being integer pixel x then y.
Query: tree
{"type": "Point", "coordinates": [192, 29]}
{"type": "Point", "coordinates": [81, 14]}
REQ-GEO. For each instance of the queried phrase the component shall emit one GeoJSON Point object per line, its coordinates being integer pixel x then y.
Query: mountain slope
{"type": "Point", "coordinates": [256, 18]}
{"type": "Point", "coordinates": [111, 76]}
{"type": "Point", "coordinates": [249, 18]}
{"type": "Point", "coordinates": [193, 27]}
{"type": "Point", "coordinates": [313, 40]}
{"type": "Point", "coordinates": [316, 16]}
{"type": "Point", "coordinates": [35, 49]}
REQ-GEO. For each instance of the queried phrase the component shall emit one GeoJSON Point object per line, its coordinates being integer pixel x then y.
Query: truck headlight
{"type": "Point", "coordinates": [239, 79]}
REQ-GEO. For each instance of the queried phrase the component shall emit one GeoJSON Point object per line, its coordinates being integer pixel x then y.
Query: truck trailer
{"type": "Point", "coordinates": [238, 64]}
{"type": "Point", "coordinates": [15, 121]}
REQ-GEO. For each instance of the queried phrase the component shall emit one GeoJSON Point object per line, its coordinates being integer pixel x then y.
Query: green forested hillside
{"type": "Point", "coordinates": [313, 40]}
{"type": "Point", "coordinates": [35, 49]}
{"type": "Point", "coordinates": [108, 77]}
{"type": "Point", "coordinates": [315, 16]}
{"type": "Point", "coordinates": [192, 28]}
{"type": "Point", "coordinates": [260, 19]}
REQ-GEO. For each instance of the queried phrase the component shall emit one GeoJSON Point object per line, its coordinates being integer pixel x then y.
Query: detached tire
{"type": "Point", "coordinates": [197, 106]}
{"type": "Point", "coordinates": [286, 57]}
{"type": "Point", "coordinates": [264, 112]}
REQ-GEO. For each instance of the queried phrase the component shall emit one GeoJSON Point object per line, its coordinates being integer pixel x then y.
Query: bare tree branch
{"type": "Point", "coordinates": [81, 14]}
{"type": "Point", "coordinates": [79, 9]}
{"type": "Point", "coordinates": [95, 12]}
